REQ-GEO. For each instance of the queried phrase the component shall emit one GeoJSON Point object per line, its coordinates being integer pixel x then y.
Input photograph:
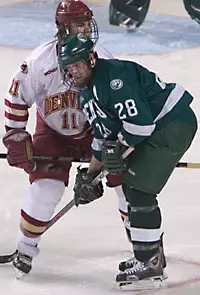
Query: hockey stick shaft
{"type": "Point", "coordinates": [188, 165]}
{"type": "Point", "coordinates": [47, 158]}
{"type": "Point", "coordinates": [64, 210]}
{"type": "Point", "coordinates": [64, 159]}
{"type": "Point", "coordinates": [70, 159]}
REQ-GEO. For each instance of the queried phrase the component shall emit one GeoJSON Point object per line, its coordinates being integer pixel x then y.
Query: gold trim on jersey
{"type": "Point", "coordinates": [16, 112]}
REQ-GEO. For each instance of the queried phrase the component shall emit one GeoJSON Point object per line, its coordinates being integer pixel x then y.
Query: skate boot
{"type": "Point", "coordinates": [143, 275]}
{"type": "Point", "coordinates": [117, 18]}
{"type": "Point", "coordinates": [22, 264]}
{"type": "Point", "coordinates": [124, 265]}
{"type": "Point", "coordinates": [114, 16]}
{"type": "Point", "coordinates": [127, 23]}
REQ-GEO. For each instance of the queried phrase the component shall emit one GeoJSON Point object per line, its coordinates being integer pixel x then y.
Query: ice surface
{"type": "Point", "coordinates": [29, 24]}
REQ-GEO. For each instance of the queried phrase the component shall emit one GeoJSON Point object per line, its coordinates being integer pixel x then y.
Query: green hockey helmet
{"type": "Point", "coordinates": [73, 49]}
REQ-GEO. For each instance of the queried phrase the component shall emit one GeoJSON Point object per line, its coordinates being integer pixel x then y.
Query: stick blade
{"type": "Point", "coordinates": [7, 258]}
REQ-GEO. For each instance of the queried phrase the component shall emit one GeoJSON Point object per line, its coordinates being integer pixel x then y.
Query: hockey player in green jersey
{"type": "Point", "coordinates": [129, 106]}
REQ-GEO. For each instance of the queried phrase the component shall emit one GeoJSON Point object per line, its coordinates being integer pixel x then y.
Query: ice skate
{"type": "Point", "coordinates": [128, 23]}
{"type": "Point", "coordinates": [143, 275]}
{"type": "Point", "coordinates": [22, 264]}
{"type": "Point", "coordinates": [117, 18]}
{"type": "Point", "coordinates": [129, 263]}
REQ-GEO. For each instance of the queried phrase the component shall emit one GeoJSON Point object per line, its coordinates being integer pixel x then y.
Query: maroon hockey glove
{"type": "Point", "coordinates": [19, 149]}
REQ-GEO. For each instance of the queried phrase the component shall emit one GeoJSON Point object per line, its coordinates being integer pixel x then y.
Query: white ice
{"type": "Point", "coordinates": [80, 254]}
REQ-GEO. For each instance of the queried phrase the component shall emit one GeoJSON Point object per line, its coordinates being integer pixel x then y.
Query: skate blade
{"type": "Point", "coordinates": [146, 284]}
{"type": "Point", "coordinates": [20, 274]}
{"type": "Point", "coordinates": [131, 28]}
{"type": "Point", "coordinates": [164, 276]}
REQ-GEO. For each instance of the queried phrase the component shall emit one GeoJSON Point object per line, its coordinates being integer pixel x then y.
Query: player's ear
{"type": "Point", "coordinates": [93, 58]}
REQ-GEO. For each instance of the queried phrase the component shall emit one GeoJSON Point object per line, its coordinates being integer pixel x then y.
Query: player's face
{"type": "Point", "coordinates": [86, 27]}
{"type": "Point", "coordinates": [81, 73]}
{"type": "Point", "coordinates": [81, 27]}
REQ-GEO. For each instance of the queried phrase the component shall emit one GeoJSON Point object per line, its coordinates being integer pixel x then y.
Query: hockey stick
{"type": "Point", "coordinates": [10, 257]}
{"type": "Point", "coordinates": [86, 160]}
{"type": "Point", "coordinates": [47, 158]}
{"type": "Point", "coordinates": [188, 165]}
{"type": "Point", "coordinates": [104, 173]}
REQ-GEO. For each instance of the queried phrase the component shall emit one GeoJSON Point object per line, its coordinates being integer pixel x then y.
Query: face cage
{"type": "Point", "coordinates": [68, 79]}
{"type": "Point", "coordinates": [64, 31]}
{"type": "Point", "coordinates": [94, 31]}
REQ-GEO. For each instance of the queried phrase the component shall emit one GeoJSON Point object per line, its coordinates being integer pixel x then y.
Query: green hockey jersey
{"type": "Point", "coordinates": [125, 100]}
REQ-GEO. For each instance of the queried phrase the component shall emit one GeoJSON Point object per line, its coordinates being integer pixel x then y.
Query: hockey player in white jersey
{"type": "Point", "coordinates": [61, 129]}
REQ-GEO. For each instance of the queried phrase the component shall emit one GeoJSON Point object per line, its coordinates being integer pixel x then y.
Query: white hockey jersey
{"type": "Point", "coordinates": [39, 81]}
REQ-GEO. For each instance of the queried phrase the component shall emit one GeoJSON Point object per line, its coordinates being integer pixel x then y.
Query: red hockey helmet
{"type": "Point", "coordinates": [71, 12]}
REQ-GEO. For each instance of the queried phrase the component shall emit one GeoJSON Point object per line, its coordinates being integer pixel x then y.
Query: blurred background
{"type": "Point", "coordinates": [166, 27]}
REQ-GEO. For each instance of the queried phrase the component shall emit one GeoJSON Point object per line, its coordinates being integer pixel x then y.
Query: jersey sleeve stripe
{"type": "Point", "coordinates": [16, 112]}
{"type": "Point", "coordinates": [174, 97]}
{"type": "Point", "coordinates": [16, 106]}
{"type": "Point", "coordinates": [17, 118]}
{"type": "Point", "coordinates": [140, 130]}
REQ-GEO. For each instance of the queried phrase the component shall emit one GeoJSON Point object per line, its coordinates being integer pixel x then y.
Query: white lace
{"type": "Point", "coordinates": [138, 266]}
{"type": "Point", "coordinates": [131, 262]}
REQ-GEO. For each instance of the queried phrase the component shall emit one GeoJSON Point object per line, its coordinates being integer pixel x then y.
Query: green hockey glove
{"type": "Point", "coordinates": [112, 157]}
{"type": "Point", "coordinates": [84, 191]}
